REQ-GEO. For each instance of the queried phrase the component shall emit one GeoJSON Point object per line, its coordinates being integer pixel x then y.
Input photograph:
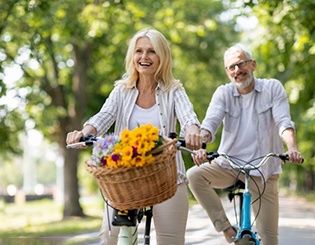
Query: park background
{"type": "Point", "coordinates": [59, 60]}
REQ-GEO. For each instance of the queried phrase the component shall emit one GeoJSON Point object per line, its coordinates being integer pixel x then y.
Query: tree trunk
{"type": "Point", "coordinates": [72, 205]}
{"type": "Point", "coordinates": [77, 111]}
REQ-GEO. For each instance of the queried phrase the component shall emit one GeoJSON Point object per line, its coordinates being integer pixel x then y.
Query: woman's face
{"type": "Point", "coordinates": [145, 59]}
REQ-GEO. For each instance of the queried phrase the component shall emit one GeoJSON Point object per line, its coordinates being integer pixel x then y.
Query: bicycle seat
{"type": "Point", "coordinates": [235, 190]}
{"type": "Point", "coordinates": [125, 217]}
{"type": "Point", "coordinates": [239, 185]}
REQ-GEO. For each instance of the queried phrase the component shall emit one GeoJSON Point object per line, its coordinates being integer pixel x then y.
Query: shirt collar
{"type": "Point", "coordinates": [257, 88]}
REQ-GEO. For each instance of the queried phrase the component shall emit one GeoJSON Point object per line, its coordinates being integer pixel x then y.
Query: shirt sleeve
{"type": "Point", "coordinates": [215, 113]}
{"type": "Point", "coordinates": [281, 107]}
{"type": "Point", "coordinates": [184, 110]}
{"type": "Point", "coordinates": [105, 118]}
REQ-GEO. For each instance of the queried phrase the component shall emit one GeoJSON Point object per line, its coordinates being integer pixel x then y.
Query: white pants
{"type": "Point", "coordinates": [169, 217]}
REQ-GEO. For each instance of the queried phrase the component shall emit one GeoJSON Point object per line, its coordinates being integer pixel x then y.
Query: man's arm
{"type": "Point", "coordinates": [206, 136]}
{"type": "Point", "coordinates": [288, 137]}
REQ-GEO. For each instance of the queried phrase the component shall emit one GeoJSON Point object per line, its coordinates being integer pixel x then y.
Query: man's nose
{"type": "Point", "coordinates": [236, 68]}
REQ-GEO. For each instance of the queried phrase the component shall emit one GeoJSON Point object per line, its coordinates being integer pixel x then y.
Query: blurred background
{"type": "Point", "coordinates": [59, 60]}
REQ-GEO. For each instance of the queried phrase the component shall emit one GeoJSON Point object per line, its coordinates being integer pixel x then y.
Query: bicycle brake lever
{"type": "Point", "coordinates": [88, 139]}
{"type": "Point", "coordinates": [211, 155]}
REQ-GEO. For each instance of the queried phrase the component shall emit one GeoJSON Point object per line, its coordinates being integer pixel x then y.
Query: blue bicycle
{"type": "Point", "coordinates": [245, 234]}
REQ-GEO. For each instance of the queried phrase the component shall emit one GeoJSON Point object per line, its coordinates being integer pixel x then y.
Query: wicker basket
{"type": "Point", "coordinates": [132, 188]}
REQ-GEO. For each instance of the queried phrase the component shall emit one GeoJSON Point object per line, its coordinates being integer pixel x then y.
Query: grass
{"type": "Point", "coordinates": [41, 222]}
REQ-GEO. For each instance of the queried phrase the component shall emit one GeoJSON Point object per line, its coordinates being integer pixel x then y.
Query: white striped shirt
{"type": "Point", "coordinates": [173, 105]}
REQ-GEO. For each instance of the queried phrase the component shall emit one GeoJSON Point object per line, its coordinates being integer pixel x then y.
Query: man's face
{"type": "Point", "coordinates": [240, 70]}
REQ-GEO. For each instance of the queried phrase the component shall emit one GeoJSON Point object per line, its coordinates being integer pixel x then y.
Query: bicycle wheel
{"type": "Point", "coordinates": [246, 241]}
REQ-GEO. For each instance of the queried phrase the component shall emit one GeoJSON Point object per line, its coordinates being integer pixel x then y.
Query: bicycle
{"type": "Point", "coordinates": [245, 234]}
{"type": "Point", "coordinates": [128, 220]}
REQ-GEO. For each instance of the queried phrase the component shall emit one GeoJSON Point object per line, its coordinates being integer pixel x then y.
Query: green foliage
{"type": "Point", "coordinates": [72, 51]}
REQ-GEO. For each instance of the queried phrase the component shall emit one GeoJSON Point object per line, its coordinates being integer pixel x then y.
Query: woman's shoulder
{"type": "Point", "coordinates": [171, 86]}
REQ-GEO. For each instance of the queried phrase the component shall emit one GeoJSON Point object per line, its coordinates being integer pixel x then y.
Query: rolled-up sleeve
{"type": "Point", "coordinates": [281, 107]}
{"type": "Point", "coordinates": [104, 119]}
{"type": "Point", "coordinates": [215, 113]}
{"type": "Point", "coordinates": [184, 110]}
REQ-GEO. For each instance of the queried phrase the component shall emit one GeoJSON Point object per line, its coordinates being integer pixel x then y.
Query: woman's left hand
{"type": "Point", "coordinates": [193, 138]}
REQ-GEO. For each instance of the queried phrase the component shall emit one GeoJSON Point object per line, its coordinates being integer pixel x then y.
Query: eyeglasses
{"type": "Point", "coordinates": [240, 65]}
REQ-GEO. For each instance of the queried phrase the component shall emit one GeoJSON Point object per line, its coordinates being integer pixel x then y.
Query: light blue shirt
{"type": "Point", "coordinates": [173, 105]}
{"type": "Point", "coordinates": [271, 112]}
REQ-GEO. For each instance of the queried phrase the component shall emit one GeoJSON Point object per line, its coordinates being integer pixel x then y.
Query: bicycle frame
{"type": "Point", "coordinates": [245, 229]}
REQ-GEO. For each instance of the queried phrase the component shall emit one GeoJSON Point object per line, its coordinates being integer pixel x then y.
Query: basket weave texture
{"type": "Point", "coordinates": [133, 188]}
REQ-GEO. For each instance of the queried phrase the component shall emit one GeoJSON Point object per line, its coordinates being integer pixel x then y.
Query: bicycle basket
{"type": "Point", "coordinates": [133, 188]}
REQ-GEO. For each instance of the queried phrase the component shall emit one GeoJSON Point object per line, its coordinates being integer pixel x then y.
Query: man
{"type": "Point", "coordinates": [256, 117]}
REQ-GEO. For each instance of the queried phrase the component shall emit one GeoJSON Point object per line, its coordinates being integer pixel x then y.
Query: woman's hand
{"type": "Point", "coordinates": [193, 138]}
{"type": "Point", "coordinates": [74, 137]}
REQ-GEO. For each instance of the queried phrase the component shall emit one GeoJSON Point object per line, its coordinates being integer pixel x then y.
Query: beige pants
{"type": "Point", "coordinates": [169, 217]}
{"type": "Point", "coordinates": [204, 179]}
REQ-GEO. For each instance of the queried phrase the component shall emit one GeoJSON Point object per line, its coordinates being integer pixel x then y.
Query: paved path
{"type": "Point", "coordinates": [297, 225]}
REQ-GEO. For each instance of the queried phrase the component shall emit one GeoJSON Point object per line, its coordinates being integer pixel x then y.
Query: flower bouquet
{"type": "Point", "coordinates": [135, 169]}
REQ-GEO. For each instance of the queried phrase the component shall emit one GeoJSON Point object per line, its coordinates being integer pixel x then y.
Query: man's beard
{"type": "Point", "coordinates": [245, 84]}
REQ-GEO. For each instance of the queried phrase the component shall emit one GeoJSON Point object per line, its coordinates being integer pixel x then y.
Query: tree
{"type": "Point", "coordinates": [71, 51]}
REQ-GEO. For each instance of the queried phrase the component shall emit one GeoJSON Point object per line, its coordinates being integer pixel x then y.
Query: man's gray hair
{"type": "Point", "coordinates": [237, 48]}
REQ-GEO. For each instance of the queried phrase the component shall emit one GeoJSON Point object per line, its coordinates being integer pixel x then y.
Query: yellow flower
{"type": "Point", "coordinates": [131, 149]}
{"type": "Point", "coordinates": [138, 161]}
{"type": "Point", "coordinates": [126, 153]}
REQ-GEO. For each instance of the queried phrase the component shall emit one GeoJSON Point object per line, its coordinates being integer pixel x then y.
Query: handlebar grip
{"type": "Point", "coordinates": [173, 135]}
{"type": "Point", "coordinates": [183, 144]}
{"type": "Point", "coordinates": [285, 157]}
{"type": "Point", "coordinates": [88, 139]}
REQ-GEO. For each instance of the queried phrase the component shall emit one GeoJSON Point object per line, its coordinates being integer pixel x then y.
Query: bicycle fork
{"type": "Point", "coordinates": [245, 231]}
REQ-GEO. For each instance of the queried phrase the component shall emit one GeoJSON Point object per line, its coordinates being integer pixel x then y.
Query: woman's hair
{"type": "Point", "coordinates": [238, 48]}
{"type": "Point", "coordinates": [160, 45]}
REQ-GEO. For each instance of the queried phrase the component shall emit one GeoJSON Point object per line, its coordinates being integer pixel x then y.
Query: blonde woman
{"type": "Point", "coordinates": [148, 93]}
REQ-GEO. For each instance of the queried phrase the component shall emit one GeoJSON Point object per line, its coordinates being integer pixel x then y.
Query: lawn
{"type": "Point", "coordinates": [41, 222]}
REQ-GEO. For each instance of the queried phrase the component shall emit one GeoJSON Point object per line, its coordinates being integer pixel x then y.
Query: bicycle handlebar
{"type": "Point", "coordinates": [211, 155]}
{"type": "Point", "coordinates": [88, 140]}
{"type": "Point", "coordinates": [248, 166]}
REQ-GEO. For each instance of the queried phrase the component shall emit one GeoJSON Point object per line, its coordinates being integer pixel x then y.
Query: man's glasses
{"type": "Point", "coordinates": [240, 65]}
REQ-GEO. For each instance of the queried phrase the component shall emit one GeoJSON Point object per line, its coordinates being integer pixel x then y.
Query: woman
{"type": "Point", "coordinates": [148, 93]}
